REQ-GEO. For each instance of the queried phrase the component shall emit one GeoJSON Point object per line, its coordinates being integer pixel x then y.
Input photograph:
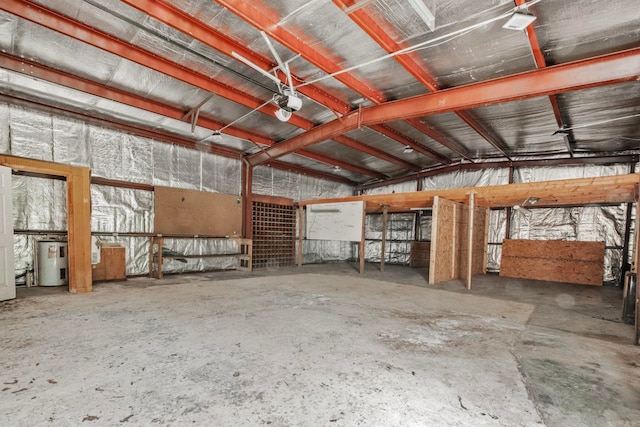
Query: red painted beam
{"type": "Point", "coordinates": [187, 24]}
{"type": "Point", "coordinates": [260, 15]}
{"type": "Point", "coordinates": [361, 146]}
{"type": "Point", "coordinates": [344, 165]}
{"type": "Point", "coordinates": [416, 67]}
{"type": "Point", "coordinates": [442, 139]}
{"type": "Point", "coordinates": [538, 57]}
{"type": "Point", "coordinates": [65, 79]}
{"type": "Point", "coordinates": [79, 31]}
{"type": "Point", "coordinates": [34, 69]}
{"type": "Point", "coordinates": [310, 172]}
{"type": "Point", "coordinates": [266, 19]}
{"type": "Point", "coordinates": [406, 141]}
{"type": "Point", "coordinates": [181, 21]}
{"type": "Point", "coordinates": [599, 71]}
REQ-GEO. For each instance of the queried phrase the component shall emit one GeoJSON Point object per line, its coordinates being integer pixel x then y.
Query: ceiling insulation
{"type": "Point", "coordinates": [164, 58]}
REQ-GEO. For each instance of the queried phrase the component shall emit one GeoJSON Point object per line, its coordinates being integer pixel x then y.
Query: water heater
{"type": "Point", "coordinates": [52, 263]}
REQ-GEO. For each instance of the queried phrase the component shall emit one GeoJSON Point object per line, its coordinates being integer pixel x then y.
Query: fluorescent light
{"type": "Point", "coordinates": [520, 20]}
{"type": "Point", "coordinates": [424, 13]}
{"type": "Point", "coordinates": [407, 150]}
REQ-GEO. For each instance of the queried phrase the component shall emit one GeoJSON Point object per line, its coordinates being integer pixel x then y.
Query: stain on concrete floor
{"type": "Point", "coordinates": [312, 349]}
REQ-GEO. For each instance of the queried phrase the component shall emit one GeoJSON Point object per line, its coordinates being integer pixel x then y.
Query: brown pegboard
{"type": "Point", "coordinates": [190, 212]}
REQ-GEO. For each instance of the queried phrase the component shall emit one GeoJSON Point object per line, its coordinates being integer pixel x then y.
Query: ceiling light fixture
{"type": "Point", "coordinates": [216, 136]}
{"type": "Point", "coordinates": [424, 13]}
{"type": "Point", "coordinates": [520, 20]}
{"type": "Point", "coordinates": [407, 150]}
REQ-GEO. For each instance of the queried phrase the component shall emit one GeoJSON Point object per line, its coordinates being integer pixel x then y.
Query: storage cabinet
{"type": "Point", "coordinates": [112, 265]}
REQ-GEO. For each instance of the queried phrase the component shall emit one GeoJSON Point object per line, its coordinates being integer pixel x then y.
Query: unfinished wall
{"type": "Point", "coordinates": [605, 223]}
{"type": "Point", "coordinates": [40, 203]}
{"type": "Point", "coordinates": [450, 241]}
{"type": "Point", "coordinates": [554, 261]}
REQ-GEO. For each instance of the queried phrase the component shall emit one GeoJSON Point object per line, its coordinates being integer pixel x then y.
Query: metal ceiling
{"type": "Point", "coordinates": [145, 64]}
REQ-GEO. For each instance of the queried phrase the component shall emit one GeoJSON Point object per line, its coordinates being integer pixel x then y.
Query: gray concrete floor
{"type": "Point", "coordinates": [318, 346]}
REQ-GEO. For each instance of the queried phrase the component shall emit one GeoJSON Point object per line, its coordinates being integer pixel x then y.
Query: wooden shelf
{"type": "Point", "coordinates": [156, 258]}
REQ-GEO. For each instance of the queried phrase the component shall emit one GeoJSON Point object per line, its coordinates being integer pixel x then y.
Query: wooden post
{"type": "Point", "coordinates": [385, 209]}
{"type": "Point", "coordinates": [300, 232]}
{"type": "Point", "coordinates": [636, 258]}
{"type": "Point", "coordinates": [247, 208]}
{"type": "Point", "coordinates": [434, 241]}
{"type": "Point", "coordinates": [470, 242]}
{"type": "Point", "coordinates": [361, 249]}
{"type": "Point", "coordinates": [486, 241]}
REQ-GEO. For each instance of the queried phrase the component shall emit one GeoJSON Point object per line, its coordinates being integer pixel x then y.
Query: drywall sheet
{"type": "Point", "coordinates": [191, 212]}
{"type": "Point", "coordinates": [443, 260]}
{"type": "Point", "coordinates": [554, 261]}
{"type": "Point", "coordinates": [335, 221]}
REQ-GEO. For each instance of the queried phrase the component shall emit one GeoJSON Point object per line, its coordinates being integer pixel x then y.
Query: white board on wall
{"type": "Point", "coordinates": [335, 221]}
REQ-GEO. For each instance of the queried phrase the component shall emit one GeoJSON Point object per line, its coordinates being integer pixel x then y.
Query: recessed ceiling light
{"type": "Point", "coordinates": [520, 20]}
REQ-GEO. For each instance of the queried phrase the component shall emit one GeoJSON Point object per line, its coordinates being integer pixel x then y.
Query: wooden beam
{"type": "Point", "coordinates": [470, 242]}
{"type": "Point", "coordinates": [361, 249]}
{"type": "Point", "coordinates": [384, 237]}
{"type": "Point", "coordinates": [300, 232]}
{"type": "Point", "coordinates": [568, 192]}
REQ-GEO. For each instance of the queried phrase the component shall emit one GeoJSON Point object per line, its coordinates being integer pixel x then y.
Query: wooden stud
{"type": "Point", "coordinates": [361, 249]}
{"type": "Point", "coordinates": [300, 232]}
{"type": "Point", "coordinates": [470, 242]}
{"type": "Point", "coordinates": [434, 241]}
{"type": "Point", "coordinates": [486, 241]}
{"type": "Point", "coordinates": [384, 237]}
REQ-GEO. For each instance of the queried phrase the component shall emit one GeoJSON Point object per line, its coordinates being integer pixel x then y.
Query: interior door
{"type": "Point", "coordinates": [7, 277]}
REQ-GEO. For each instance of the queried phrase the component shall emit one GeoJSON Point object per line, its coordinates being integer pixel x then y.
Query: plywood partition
{"type": "Point", "coordinates": [554, 261]}
{"type": "Point", "coordinates": [442, 265]}
{"type": "Point", "coordinates": [190, 212]}
{"type": "Point", "coordinates": [458, 241]}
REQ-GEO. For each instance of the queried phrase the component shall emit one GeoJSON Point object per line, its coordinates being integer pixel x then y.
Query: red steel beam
{"type": "Point", "coordinates": [416, 67]}
{"type": "Point", "coordinates": [538, 57]}
{"type": "Point", "coordinates": [264, 18]}
{"type": "Point", "coordinates": [33, 69]}
{"type": "Point", "coordinates": [176, 18]}
{"type": "Point", "coordinates": [79, 31]}
{"type": "Point", "coordinates": [54, 21]}
{"type": "Point", "coordinates": [187, 24]}
{"type": "Point", "coordinates": [599, 71]}
{"type": "Point", "coordinates": [361, 146]}
{"type": "Point", "coordinates": [166, 137]}
{"type": "Point", "coordinates": [404, 140]}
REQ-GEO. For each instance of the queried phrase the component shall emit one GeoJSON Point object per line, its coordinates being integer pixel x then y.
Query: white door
{"type": "Point", "coordinates": [7, 278]}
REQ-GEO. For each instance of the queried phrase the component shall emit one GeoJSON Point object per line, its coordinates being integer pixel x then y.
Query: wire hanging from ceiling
{"type": "Point", "coordinates": [427, 44]}
{"type": "Point", "coordinates": [177, 44]}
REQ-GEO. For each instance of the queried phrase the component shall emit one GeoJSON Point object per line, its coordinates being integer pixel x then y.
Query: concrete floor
{"type": "Point", "coordinates": [318, 346]}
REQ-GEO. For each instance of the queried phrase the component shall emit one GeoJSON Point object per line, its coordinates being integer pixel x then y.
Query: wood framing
{"type": "Point", "coordinates": [443, 237]}
{"type": "Point", "coordinates": [361, 247]}
{"type": "Point", "coordinates": [78, 215]}
{"type": "Point", "coordinates": [554, 261]}
{"type": "Point", "coordinates": [383, 244]}
{"type": "Point", "coordinates": [567, 192]}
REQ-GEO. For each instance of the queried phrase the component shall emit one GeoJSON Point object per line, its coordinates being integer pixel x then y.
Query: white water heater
{"type": "Point", "coordinates": [52, 263]}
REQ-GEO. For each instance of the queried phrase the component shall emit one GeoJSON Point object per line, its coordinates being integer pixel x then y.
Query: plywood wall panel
{"type": "Point", "coordinates": [190, 212]}
{"type": "Point", "coordinates": [443, 241]}
{"type": "Point", "coordinates": [554, 261]}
